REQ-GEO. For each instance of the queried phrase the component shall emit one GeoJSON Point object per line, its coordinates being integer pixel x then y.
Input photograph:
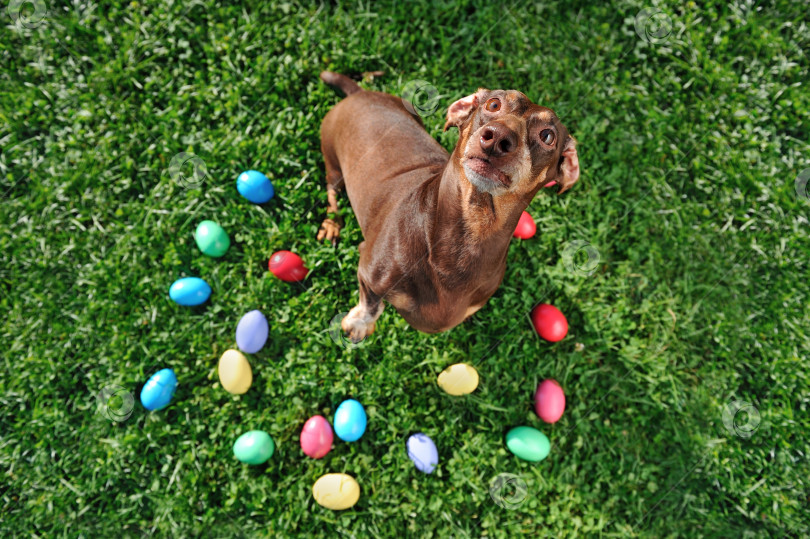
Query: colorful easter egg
{"type": "Point", "coordinates": [528, 443]}
{"type": "Point", "coordinates": [287, 266]}
{"type": "Point", "coordinates": [422, 451]}
{"type": "Point", "coordinates": [336, 491]}
{"type": "Point", "coordinates": [350, 420]}
{"type": "Point", "coordinates": [251, 332]}
{"type": "Point", "coordinates": [189, 291]}
{"type": "Point", "coordinates": [158, 391]}
{"type": "Point", "coordinates": [235, 373]}
{"type": "Point", "coordinates": [254, 447]}
{"type": "Point", "coordinates": [212, 239]}
{"type": "Point", "coordinates": [525, 228]}
{"type": "Point", "coordinates": [316, 437]}
{"type": "Point", "coordinates": [458, 379]}
{"type": "Point", "coordinates": [255, 186]}
{"type": "Point", "coordinates": [549, 401]}
{"type": "Point", "coordinates": [549, 322]}
{"type": "Point", "coordinates": [552, 183]}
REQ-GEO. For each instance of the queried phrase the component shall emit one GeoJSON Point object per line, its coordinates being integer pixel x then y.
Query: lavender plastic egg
{"type": "Point", "coordinates": [251, 332]}
{"type": "Point", "coordinates": [422, 451]}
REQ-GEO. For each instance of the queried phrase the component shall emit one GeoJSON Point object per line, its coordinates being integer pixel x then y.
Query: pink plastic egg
{"type": "Point", "coordinates": [525, 228]}
{"type": "Point", "coordinates": [316, 437]}
{"type": "Point", "coordinates": [549, 401]}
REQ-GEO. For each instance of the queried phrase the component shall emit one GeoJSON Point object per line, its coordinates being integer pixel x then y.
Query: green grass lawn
{"type": "Point", "coordinates": [692, 132]}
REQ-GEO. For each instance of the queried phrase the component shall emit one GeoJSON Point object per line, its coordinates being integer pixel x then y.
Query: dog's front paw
{"type": "Point", "coordinates": [358, 325]}
{"type": "Point", "coordinates": [330, 230]}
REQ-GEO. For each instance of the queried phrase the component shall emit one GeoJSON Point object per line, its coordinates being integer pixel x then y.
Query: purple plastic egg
{"type": "Point", "coordinates": [251, 332]}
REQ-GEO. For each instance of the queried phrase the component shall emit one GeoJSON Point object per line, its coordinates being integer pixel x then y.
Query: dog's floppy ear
{"type": "Point", "coordinates": [459, 111]}
{"type": "Point", "coordinates": [569, 166]}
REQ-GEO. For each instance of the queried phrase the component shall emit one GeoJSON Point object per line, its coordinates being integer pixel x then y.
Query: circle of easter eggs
{"type": "Point", "coordinates": [526, 227]}
{"type": "Point", "coordinates": [251, 332]}
{"type": "Point", "coordinates": [422, 451]}
{"type": "Point", "coordinates": [255, 186]}
{"type": "Point", "coordinates": [549, 401]}
{"type": "Point", "coordinates": [235, 373]}
{"type": "Point", "coordinates": [350, 420]}
{"type": "Point", "coordinates": [254, 447]}
{"type": "Point", "coordinates": [528, 443]}
{"type": "Point", "coordinates": [287, 266]}
{"type": "Point", "coordinates": [189, 291]}
{"type": "Point", "coordinates": [549, 322]}
{"type": "Point", "coordinates": [316, 437]}
{"type": "Point", "coordinates": [458, 379]}
{"type": "Point", "coordinates": [336, 491]}
{"type": "Point", "coordinates": [212, 239]}
{"type": "Point", "coordinates": [158, 391]}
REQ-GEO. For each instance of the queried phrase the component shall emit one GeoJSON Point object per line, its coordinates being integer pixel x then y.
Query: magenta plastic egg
{"type": "Point", "coordinates": [549, 401]}
{"type": "Point", "coordinates": [316, 437]}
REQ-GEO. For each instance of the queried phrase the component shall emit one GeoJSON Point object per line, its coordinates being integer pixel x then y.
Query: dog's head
{"type": "Point", "coordinates": [507, 144]}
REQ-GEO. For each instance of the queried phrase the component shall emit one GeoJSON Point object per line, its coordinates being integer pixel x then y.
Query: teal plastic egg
{"type": "Point", "coordinates": [254, 447]}
{"type": "Point", "coordinates": [528, 443]}
{"type": "Point", "coordinates": [212, 239]}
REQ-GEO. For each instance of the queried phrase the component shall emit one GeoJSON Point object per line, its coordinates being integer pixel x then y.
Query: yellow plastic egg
{"type": "Point", "coordinates": [235, 374]}
{"type": "Point", "coordinates": [336, 491]}
{"type": "Point", "coordinates": [459, 379]}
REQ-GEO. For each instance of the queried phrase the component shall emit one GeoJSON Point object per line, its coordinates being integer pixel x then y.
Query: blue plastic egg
{"type": "Point", "coordinates": [350, 420]}
{"type": "Point", "coordinates": [158, 391]}
{"type": "Point", "coordinates": [189, 291]}
{"type": "Point", "coordinates": [422, 451]}
{"type": "Point", "coordinates": [251, 332]}
{"type": "Point", "coordinates": [255, 186]}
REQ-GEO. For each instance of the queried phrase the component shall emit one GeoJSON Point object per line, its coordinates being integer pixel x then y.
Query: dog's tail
{"type": "Point", "coordinates": [341, 82]}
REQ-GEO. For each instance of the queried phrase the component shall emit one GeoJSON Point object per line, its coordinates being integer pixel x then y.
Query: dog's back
{"type": "Point", "coordinates": [381, 151]}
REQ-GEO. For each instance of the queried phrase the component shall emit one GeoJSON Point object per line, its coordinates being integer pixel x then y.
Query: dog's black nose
{"type": "Point", "coordinates": [498, 140]}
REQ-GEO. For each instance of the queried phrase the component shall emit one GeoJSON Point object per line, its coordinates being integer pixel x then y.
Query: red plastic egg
{"type": "Point", "coordinates": [549, 401]}
{"type": "Point", "coordinates": [525, 228]}
{"type": "Point", "coordinates": [549, 322]}
{"type": "Point", "coordinates": [552, 183]}
{"type": "Point", "coordinates": [287, 266]}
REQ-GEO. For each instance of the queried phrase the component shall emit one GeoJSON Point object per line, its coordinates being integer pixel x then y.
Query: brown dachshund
{"type": "Point", "coordinates": [436, 226]}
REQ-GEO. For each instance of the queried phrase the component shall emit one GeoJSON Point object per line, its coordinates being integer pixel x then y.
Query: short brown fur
{"type": "Point", "coordinates": [435, 241]}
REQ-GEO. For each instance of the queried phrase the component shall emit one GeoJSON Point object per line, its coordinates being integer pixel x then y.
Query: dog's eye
{"type": "Point", "coordinates": [493, 105]}
{"type": "Point", "coordinates": [547, 136]}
